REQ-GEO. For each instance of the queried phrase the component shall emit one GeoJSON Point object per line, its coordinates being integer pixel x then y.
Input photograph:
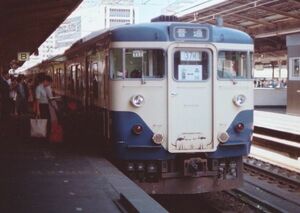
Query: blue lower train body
{"type": "Point", "coordinates": [141, 147]}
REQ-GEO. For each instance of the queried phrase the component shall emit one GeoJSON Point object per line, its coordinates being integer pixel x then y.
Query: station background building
{"type": "Point", "coordinates": [90, 16]}
{"type": "Point", "coordinates": [183, 7]}
{"type": "Point", "coordinates": [93, 15]}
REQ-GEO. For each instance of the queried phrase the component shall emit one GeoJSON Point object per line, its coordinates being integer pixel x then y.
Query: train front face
{"type": "Point", "coordinates": [182, 109]}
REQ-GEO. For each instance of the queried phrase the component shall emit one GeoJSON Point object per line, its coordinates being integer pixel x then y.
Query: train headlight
{"type": "Point", "coordinates": [130, 167]}
{"type": "Point", "coordinates": [223, 137]}
{"type": "Point", "coordinates": [158, 138]}
{"type": "Point", "coordinates": [137, 100]}
{"type": "Point", "coordinates": [140, 167]}
{"type": "Point", "coordinates": [151, 168]}
{"type": "Point", "coordinates": [239, 100]}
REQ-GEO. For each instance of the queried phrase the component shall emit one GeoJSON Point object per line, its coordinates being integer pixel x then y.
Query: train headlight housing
{"type": "Point", "coordinates": [137, 100]}
{"type": "Point", "coordinates": [158, 138]}
{"type": "Point", "coordinates": [239, 100]}
{"type": "Point", "coordinates": [223, 137]}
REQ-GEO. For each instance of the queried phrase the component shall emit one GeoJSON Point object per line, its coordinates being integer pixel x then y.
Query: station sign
{"type": "Point", "coordinates": [23, 56]}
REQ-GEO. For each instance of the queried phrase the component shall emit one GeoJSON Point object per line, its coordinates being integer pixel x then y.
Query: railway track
{"type": "Point", "coordinates": [216, 202]}
{"type": "Point", "coordinates": [269, 188]}
{"type": "Point", "coordinates": [282, 174]}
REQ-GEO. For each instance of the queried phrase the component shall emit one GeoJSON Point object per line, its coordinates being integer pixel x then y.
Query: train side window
{"type": "Point", "coordinates": [137, 63]}
{"type": "Point", "coordinates": [144, 63]}
{"type": "Point", "coordinates": [95, 80]}
{"type": "Point", "coordinates": [191, 65]}
{"type": "Point", "coordinates": [68, 79]}
{"type": "Point", "coordinates": [54, 76]}
{"type": "Point", "coordinates": [251, 65]}
{"type": "Point", "coordinates": [134, 60]}
{"type": "Point", "coordinates": [78, 82]}
{"type": "Point", "coordinates": [233, 65]}
{"type": "Point", "coordinates": [72, 79]}
{"type": "Point", "coordinates": [116, 63]}
{"type": "Point", "coordinates": [62, 77]}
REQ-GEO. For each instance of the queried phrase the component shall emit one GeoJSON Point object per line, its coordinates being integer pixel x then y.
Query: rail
{"type": "Point", "coordinates": [269, 188]}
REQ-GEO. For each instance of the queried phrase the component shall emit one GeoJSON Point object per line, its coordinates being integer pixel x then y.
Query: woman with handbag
{"type": "Point", "coordinates": [56, 133]}
{"type": "Point", "coordinates": [42, 104]}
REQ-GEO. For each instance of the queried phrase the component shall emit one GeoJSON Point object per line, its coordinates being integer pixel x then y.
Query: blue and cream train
{"type": "Point", "coordinates": [176, 100]}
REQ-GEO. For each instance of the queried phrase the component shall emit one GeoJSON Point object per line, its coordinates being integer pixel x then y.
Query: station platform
{"type": "Point", "coordinates": [279, 137]}
{"type": "Point", "coordinates": [42, 177]}
{"type": "Point", "coordinates": [277, 120]}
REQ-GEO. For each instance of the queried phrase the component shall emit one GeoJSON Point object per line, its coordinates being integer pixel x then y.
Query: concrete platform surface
{"type": "Point", "coordinates": [277, 121]}
{"type": "Point", "coordinates": [37, 178]}
{"type": "Point", "coordinates": [275, 158]}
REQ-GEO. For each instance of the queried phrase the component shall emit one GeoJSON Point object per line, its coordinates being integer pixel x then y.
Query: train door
{"type": "Point", "coordinates": [190, 101]}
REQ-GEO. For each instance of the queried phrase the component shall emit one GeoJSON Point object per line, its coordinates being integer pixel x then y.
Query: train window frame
{"type": "Point", "coordinates": [56, 78]}
{"type": "Point", "coordinates": [74, 78]}
{"type": "Point", "coordinates": [110, 63]}
{"type": "Point", "coordinates": [249, 66]}
{"type": "Point", "coordinates": [293, 77]}
{"type": "Point", "coordinates": [95, 73]}
{"type": "Point", "coordinates": [124, 78]}
{"type": "Point", "coordinates": [200, 49]}
{"type": "Point", "coordinates": [62, 78]}
{"type": "Point", "coordinates": [79, 80]}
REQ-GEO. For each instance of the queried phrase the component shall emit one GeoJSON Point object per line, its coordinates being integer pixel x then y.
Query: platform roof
{"type": "Point", "coordinates": [267, 21]}
{"type": "Point", "coordinates": [25, 25]}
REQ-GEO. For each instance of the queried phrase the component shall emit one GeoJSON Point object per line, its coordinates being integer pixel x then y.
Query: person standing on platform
{"type": "Point", "coordinates": [13, 95]}
{"type": "Point", "coordinates": [52, 103]}
{"type": "Point", "coordinates": [30, 99]}
{"type": "Point", "coordinates": [22, 95]}
{"type": "Point", "coordinates": [4, 96]}
{"type": "Point", "coordinates": [56, 133]}
{"type": "Point", "coordinates": [42, 102]}
{"type": "Point", "coordinates": [4, 104]}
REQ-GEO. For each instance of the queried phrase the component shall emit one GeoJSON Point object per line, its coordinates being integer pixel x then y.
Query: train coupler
{"type": "Point", "coordinates": [197, 167]}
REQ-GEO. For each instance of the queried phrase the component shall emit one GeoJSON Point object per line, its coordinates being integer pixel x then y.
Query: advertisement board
{"type": "Point", "coordinates": [68, 32]}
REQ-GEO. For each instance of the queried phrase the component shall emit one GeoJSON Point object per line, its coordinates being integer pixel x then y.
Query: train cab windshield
{"type": "Point", "coordinates": [137, 63]}
{"type": "Point", "coordinates": [234, 65]}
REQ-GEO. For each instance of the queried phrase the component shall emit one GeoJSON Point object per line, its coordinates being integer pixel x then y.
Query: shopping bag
{"type": "Point", "coordinates": [56, 134]}
{"type": "Point", "coordinates": [38, 128]}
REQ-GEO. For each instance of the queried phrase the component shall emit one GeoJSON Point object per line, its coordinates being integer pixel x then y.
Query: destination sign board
{"type": "Point", "coordinates": [191, 33]}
